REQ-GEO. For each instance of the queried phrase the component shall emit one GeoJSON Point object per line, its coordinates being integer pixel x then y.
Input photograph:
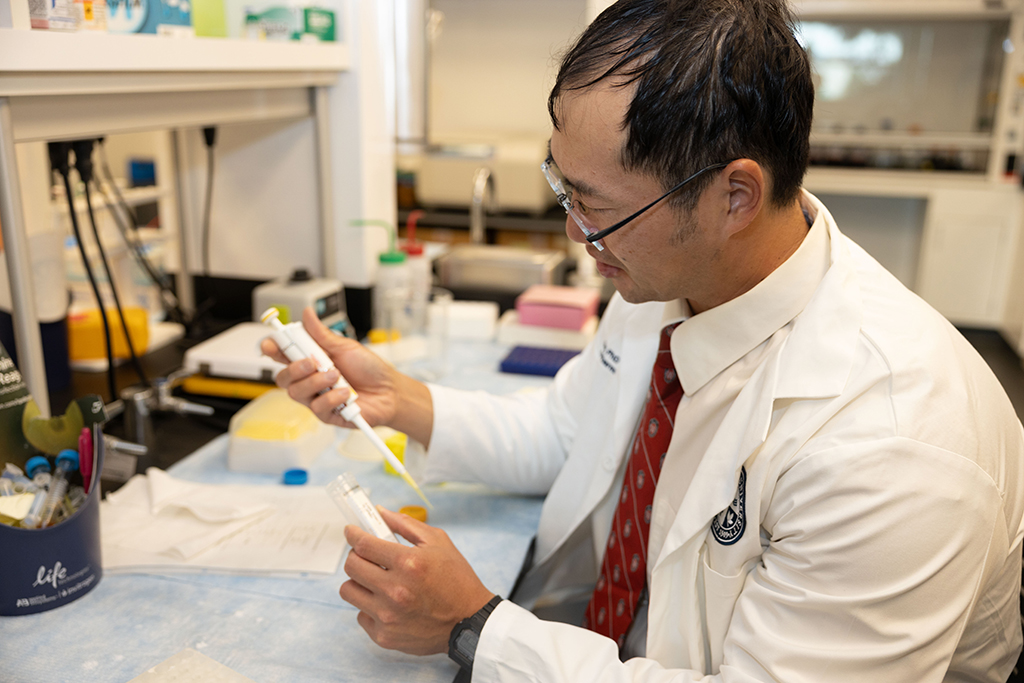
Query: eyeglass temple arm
{"type": "Point", "coordinates": [609, 230]}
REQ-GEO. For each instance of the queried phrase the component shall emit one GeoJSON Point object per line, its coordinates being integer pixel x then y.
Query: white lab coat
{"type": "Point", "coordinates": [883, 500]}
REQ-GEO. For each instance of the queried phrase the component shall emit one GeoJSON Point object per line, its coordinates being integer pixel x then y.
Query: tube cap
{"type": "Point", "coordinates": [70, 456]}
{"type": "Point", "coordinates": [36, 463]}
{"type": "Point", "coordinates": [415, 511]}
{"type": "Point", "coordinates": [295, 477]}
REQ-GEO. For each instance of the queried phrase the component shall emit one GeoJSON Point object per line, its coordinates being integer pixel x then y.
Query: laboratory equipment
{"type": "Point", "coordinates": [290, 295]}
{"type": "Point", "coordinates": [296, 344]}
{"type": "Point", "coordinates": [916, 93]}
{"type": "Point", "coordinates": [568, 308]}
{"type": "Point", "coordinates": [417, 512]}
{"type": "Point", "coordinates": [446, 170]}
{"type": "Point", "coordinates": [273, 433]}
{"type": "Point", "coordinates": [355, 505]}
{"type": "Point", "coordinates": [20, 482]}
{"type": "Point", "coordinates": [489, 267]}
{"type": "Point", "coordinates": [38, 468]}
{"type": "Point", "coordinates": [67, 461]}
{"type": "Point", "coordinates": [529, 360]}
{"type": "Point", "coordinates": [392, 293]}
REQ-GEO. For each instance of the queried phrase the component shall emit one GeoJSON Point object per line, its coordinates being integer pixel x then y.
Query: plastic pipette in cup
{"type": "Point", "coordinates": [37, 467]}
{"type": "Point", "coordinates": [67, 461]}
{"type": "Point", "coordinates": [296, 344]}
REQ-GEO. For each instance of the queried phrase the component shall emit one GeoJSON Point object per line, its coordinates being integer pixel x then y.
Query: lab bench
{"type": "Point", "coordinates": [273, 629]}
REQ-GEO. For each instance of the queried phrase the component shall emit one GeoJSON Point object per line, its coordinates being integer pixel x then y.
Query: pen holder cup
{"type": "Point", "coordinates": [45, 568]}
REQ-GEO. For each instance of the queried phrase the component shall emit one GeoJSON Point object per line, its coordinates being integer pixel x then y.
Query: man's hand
{"type": "Point", "coordinates": [410, 599]}
{"type": "Point", "coordinates": [386, 397]}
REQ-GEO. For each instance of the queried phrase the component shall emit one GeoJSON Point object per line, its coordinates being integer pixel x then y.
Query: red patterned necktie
{"type": "Point", "coordinates": [624, 569]}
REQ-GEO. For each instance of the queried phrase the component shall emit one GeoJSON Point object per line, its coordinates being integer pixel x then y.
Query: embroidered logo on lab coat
{"type": "Point", "coordinates": [609, 358]}
{"type": "Point", "coordinates": [728, 526]}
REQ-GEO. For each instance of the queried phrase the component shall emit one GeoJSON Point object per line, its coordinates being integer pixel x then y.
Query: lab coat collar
{"type": "Point", "coordinates": [709, 342]}
{"type": "Point", "coordinates": [813, 360]}
{"type": "Point", "coordinates": [818, 355]}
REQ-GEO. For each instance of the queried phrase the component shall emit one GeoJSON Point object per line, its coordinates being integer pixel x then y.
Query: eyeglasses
{"type": "Point", "coordinates": [563, 191]}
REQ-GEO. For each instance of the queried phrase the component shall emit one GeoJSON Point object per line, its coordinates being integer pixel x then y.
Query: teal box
{"type": "Point", "coordinates": [290, 23]}
{"type": "Point", "coordinates": [149, 16]}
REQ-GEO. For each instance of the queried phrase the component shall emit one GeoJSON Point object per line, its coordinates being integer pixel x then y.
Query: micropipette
{"type": "Point", "coordinates": [296, 344]}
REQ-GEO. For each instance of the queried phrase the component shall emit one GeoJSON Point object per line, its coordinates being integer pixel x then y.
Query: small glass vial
{"type": "Point", "coordinates": [355, 505]}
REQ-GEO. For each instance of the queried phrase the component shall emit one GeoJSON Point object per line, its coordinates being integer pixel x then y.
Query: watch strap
{"type": "Point", "coordinates": [461, 655]}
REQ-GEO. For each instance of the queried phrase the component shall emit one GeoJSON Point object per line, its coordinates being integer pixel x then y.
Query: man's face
{"type": "Point", "coordinates": [662, 255]}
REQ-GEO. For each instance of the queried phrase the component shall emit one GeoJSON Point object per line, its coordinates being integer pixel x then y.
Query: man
{"type": "Point", "coordinates": [819, 480]}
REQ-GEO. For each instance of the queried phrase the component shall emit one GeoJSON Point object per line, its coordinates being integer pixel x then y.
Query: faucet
{"type": "Point", "coordinates": [141, 402]}
{"type": "Point", "coordinates": [483, 189]}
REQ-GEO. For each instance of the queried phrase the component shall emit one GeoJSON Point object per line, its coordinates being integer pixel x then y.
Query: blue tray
{"type": "Point", "coordinates": [530, 360]}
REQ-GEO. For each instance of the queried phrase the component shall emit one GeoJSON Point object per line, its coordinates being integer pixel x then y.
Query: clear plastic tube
{"type": "Point", "coordinates": [35, 513]}
{"type": "Point", "coordinates": [67, 461]}
{"type": "Point", "coordinates": [355, 505]}
{"type": "Point", "coordinates": [21, 483]}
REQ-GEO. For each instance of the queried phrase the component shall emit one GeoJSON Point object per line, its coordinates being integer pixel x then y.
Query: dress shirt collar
{"type": "Point", "coordinates": [709, 342]}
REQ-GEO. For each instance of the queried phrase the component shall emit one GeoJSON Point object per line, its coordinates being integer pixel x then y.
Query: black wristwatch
{"type": "Point", "coordinates": [466, 634]}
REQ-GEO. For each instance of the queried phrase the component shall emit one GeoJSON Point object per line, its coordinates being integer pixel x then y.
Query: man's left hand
{"type": "Point", "coordinates": [410, 599]}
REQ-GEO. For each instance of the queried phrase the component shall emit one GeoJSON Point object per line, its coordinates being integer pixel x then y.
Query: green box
{"type": "Point", "coordinates": [291, 23]}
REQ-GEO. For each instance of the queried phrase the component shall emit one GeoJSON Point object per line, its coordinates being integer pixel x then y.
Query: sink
{"type": "Point", "coordinates": [489, 267]}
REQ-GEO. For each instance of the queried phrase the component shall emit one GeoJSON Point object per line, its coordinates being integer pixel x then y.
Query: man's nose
{"type": "Point", "coordinates": [573, 231]}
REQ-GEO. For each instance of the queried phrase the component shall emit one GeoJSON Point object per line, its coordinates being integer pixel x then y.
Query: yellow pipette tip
{"type": "Point", "coordinates": [410, 482]}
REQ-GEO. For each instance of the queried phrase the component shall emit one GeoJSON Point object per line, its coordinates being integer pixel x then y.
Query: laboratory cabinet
{"type": "Point", "coordinates": [64, 86]}
{"type": "Point", "coordinates": [923, 102]}
{"type": "Point", "coordinates": [917, 141]}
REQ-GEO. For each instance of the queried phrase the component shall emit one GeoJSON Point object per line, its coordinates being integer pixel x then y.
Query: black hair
{"type": "Point", "coordinates": [715, 80]}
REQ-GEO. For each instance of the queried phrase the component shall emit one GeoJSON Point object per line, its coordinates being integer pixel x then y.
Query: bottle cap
{"type": "Point", "coordinates": [70, 456]}
{"type": "Point", "coordinates": [36, 463]}
{"type": "Point", "coordinates": [415, 511]}
{"type": "Point", "coordinates": [295, 477]}
{"type": "Point", "coordinates": [392, 257]}
{"type": "Point", "coordinates": [413, 248]}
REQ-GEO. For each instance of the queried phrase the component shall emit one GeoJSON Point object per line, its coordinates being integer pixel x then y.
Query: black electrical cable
{"type": "Point", "coordinates": [168, 298]}
{"type": "Point", "coordinates": [136, 363]}
{"type": "Point", "coordinates": [105, 170]}
{"type": "Point", "coordinates": [83, 163]}
{"type": "Point", "coordinates": [210, 137]}
{"type": "Point", "coordinates": [59, 161]}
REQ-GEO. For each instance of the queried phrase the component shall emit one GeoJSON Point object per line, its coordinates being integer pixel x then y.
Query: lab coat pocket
{"type": "Point", "coordinates": [720, 595]}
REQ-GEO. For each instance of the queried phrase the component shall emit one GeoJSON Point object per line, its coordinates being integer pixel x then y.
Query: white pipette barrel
{"type": "Point", "coordinates": [296, 344]}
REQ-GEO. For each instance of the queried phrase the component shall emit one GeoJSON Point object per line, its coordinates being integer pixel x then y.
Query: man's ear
{"type": "Point", "coordinates": [746, 191]}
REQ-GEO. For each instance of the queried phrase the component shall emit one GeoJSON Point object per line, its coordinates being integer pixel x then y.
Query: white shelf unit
{"type": "Point", "coordinates": [904, 9]}
{"type": "Point", "coordinates": [970, 240]}
{"type": "Point", "coordinates": [970, 264]}
{"type": "Point", "coordinates": [64, 86]}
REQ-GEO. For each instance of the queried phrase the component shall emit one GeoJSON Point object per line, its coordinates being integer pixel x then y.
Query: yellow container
{"type": "Point", "coordinates": [396, 444]}
{"type": "Point", "coordinates": [86, 336]}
